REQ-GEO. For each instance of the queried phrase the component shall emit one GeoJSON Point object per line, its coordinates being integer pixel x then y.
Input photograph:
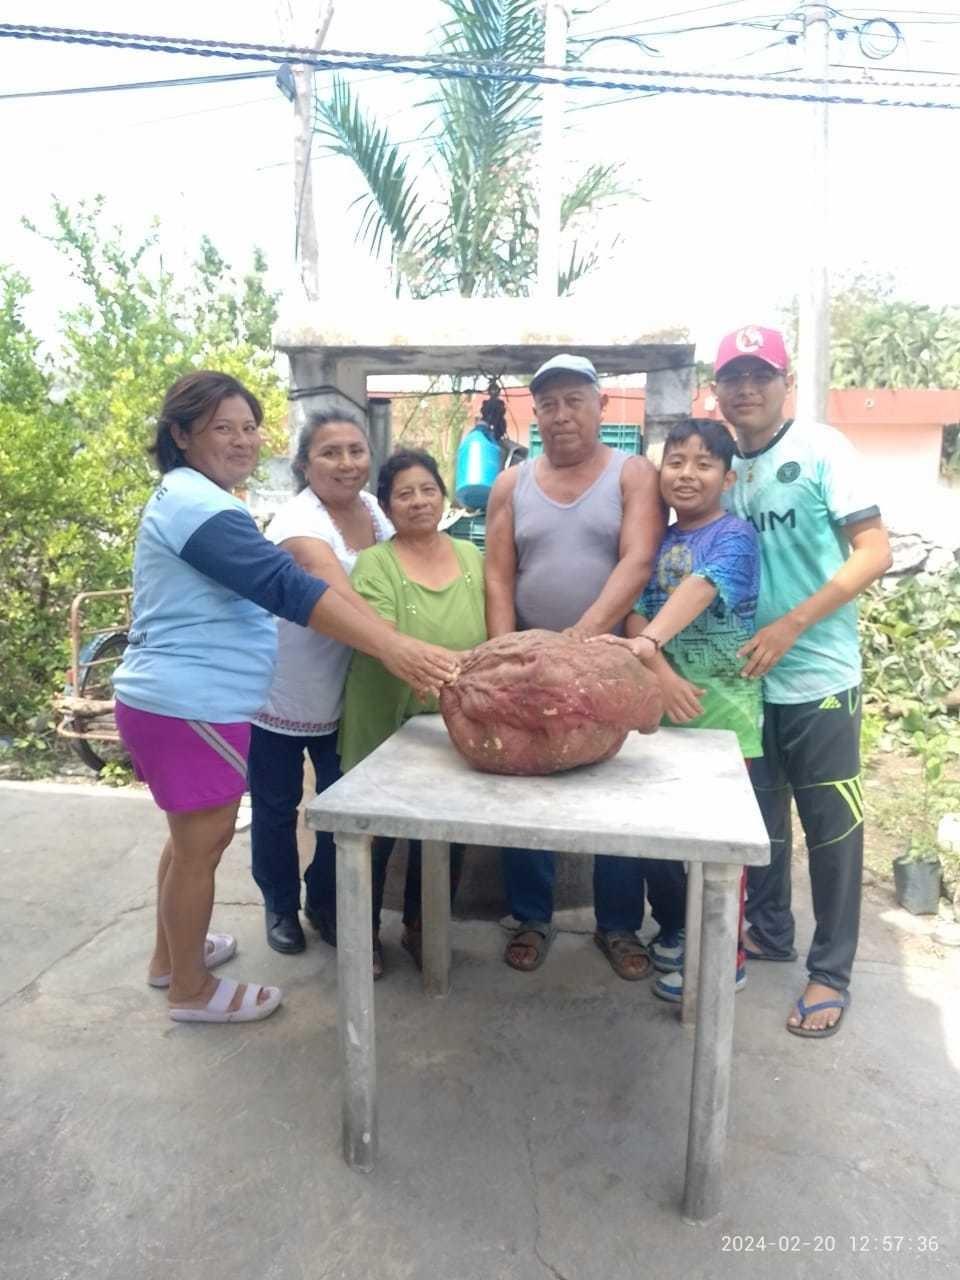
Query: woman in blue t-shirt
{"type": "Point", "coordinates": [199, 664]}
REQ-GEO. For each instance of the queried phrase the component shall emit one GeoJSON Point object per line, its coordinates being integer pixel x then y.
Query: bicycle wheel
{"type": "Point", "coordinates": [98, 660]}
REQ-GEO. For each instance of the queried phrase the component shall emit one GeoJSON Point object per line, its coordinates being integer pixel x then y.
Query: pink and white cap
{"type": "Point", "coordinates": [766, 344]}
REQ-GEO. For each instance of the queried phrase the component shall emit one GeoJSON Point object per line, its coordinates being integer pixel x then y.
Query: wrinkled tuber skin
{"type": "Point", "coordinates": [537, 702]}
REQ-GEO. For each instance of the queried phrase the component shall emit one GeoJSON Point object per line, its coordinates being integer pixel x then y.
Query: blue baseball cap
{"type": "Point", "coordinates": [579, 366]}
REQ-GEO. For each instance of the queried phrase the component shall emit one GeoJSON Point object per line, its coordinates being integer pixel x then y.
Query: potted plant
{"type": "Point", "coordinates": [917, 872]}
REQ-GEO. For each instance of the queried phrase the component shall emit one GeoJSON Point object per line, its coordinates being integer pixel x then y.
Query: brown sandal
{"type": "Point", "coordinates": [532, 935]}
{"type": "Point", "coordinates": [377, 957]}
{"type": "Point", "coordinates": [623, 949]}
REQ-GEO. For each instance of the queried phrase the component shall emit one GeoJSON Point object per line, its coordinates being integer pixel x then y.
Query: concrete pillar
{"type": "Point", "coordinates": [321, 384]}
{"type": "Point", "coordinates": [381, 434]}
{"type": "Point", "coordinates": [669, 398]}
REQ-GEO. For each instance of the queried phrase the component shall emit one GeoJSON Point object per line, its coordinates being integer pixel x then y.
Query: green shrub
{"type": "Point", "coordinates": [911, 654]}
{"type": "Point", "coordinates": [74, 425]}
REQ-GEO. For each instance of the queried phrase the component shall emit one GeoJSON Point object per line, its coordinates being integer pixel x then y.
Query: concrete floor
{"type": "Point", "coordinates": [531, 1126]}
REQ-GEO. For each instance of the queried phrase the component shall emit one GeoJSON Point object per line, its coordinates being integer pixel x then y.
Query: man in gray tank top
{"type": "Point", "coordinates": [571, 541]}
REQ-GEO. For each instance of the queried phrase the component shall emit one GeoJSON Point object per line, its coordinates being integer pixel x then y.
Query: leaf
{"type": "Point", "coordinates": [465, 221]}
{"type": "Point", "coordinates": [391, 204]}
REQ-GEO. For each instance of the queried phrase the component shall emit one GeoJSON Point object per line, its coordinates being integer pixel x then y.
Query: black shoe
{"type": "Point", "coordinates": [326, 928]}
{"type": "Point", "coordinates": [284, 933]}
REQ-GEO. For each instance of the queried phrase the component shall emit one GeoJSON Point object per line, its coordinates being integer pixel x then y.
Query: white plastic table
{"type": "Point", "coordinates": [676, 794]}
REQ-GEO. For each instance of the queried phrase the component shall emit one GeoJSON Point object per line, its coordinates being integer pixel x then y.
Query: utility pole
{"type": "Point", "coordinates": [306, 245]}
{"type": "Point", "coordinates": [556, 24]}
{"type": "Point", "coordinates": [813, 357]}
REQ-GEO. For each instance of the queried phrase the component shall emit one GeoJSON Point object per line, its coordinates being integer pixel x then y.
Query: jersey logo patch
{"type": "Point", "coordinates": [788, 472]}
{"type": "Point", "coordinates": [830, 703]}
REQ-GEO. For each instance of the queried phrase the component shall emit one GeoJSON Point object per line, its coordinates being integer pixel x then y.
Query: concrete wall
{"type": "Point", "coordinates": [898, 456]}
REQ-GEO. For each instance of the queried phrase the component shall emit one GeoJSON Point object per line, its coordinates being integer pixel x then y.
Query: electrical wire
{"type": "Point", "coordinates": [665, 17]}
{"type": "Point", "coordinates": [185, 81]}
{"type": "Point", "coordinates": [137, 84]}
{"type": "Point", "coordinates": [451, 68]}
{"type": "Point", "coordinates": [485, 64]}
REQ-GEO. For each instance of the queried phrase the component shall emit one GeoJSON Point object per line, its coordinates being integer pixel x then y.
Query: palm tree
{"type": "Point", "coordinates": [478, 237]}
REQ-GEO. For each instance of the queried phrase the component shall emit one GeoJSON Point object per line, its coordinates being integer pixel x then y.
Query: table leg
{"type": "Point", "coordinates": [355, 1013]}
{"type": "Point", "coordinates": [712, 1048]}
{"type": "Point", "coordinates": [435, 908]}
{"type": "Point", "coordinates": [691, 945]}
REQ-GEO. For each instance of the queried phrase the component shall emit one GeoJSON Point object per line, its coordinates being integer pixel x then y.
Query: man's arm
{"type": "Point", "coordinates": [869, 559]}
{"type": "Point", "coordinates": [644, 523]}
{"type": "Point", "coordinates": [500, 559]}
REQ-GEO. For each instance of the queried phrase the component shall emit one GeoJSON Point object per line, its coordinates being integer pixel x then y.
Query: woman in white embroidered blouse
{"type": "Point", "coordinates": [329, 522]}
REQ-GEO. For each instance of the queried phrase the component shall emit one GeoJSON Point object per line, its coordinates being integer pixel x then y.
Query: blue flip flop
{"type": "Point", "coordinates": [842, 1003]}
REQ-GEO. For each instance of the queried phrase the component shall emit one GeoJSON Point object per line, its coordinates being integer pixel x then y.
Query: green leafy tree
{"type": "Point", "coordinates": [878, 339]}
{"type": "Point", "coordinates": [74, 473]}
{"type": "Point", "coordinates": [477, 235]}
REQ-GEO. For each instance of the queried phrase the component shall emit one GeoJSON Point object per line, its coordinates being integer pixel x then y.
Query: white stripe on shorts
{"type": "Point", "coordinates": [220, 745]}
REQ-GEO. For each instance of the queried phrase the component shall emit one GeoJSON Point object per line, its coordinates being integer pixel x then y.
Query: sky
{"type": "Point", "coordinates": [714, 243]}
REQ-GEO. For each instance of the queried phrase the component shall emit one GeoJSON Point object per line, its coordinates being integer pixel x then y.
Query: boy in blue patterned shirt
{"type": "Point", "coordinates": [697, 612]}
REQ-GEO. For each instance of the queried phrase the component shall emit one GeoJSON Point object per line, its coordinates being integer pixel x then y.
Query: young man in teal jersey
{"type": "Point", "coordinates": [802, 487]}
{"type": "Point", "coordinates": [695, 614]}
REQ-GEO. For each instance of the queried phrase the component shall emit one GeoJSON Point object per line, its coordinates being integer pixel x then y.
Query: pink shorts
{"type": "Point", "coordinates": [187, 764]}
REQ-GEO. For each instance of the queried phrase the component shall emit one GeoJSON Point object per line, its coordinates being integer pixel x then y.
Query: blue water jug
{"type": "Point", "coordinates": [478, 465]}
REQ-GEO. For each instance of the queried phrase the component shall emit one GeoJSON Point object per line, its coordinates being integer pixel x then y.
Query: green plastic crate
{"type": "Point", "coordinates": [626, 436]}
{"type": "Point", "coordinates": [471, 529]}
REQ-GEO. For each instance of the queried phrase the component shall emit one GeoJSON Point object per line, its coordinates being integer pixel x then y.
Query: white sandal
{"type": "Point", "coordinates": [218, 949]}
{"type": "Point", "coordinates": [217, 1008]}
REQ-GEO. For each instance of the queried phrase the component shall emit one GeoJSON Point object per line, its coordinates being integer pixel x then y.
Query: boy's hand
{"type": "Point", "coordinates": [764, 650]}
{"type": "Point", "coordinates": [641, 647]}
{"type": "Point", "coordinates": [681, 699]}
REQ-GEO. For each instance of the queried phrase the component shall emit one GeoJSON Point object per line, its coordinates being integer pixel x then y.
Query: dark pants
{"type": "Point", "coordinates": [812, 752]}
{"type": "Point", "coordinates": [275, 771]}
{"type": "Point", "coordinates": [667, 893]}
{"type": "Point", "coordinates": [618, 890]}
{"type": "Point", "coordinates": [382, 849]}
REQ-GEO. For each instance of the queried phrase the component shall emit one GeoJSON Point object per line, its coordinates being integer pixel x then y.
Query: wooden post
{"type": "Point", "coordinates": [691, 944]}
{"type": "Point", "coordinates": [306, 244]}
{"type": "Point", "coordinates": [813, 356]}
{"type": "Point", "coordinates": [435, 908]}
{"type": "Point", "coordinates": [556, 22]}
{"type": "Point", "coordinates": [710, 1093]}
{"type": "Point", "coordinates": [355, 1024]}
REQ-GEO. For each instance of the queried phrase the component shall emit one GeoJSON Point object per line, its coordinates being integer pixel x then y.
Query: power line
{"type": "Point", "coordinates": [907, 71]}
{"type": "Point", "coordinates": [776, 76]}
{"type": "Point", "coordinates": [448, 68]}
{"type": "Point", "coordinates": [665, 17]}
{"type": "Point", "coordinates": [137, 84]}
{"type": "Point", "coordinates": [346, 60]}
{"type": "Point", "coordinates": [185, 81]}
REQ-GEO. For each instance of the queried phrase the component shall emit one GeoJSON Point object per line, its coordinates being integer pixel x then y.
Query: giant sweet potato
{"type": "Point", "coordinates": [537, 702]}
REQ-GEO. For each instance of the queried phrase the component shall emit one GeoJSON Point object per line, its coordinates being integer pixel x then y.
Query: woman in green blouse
{"type": "Point", "coordinates": [430, 586]}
